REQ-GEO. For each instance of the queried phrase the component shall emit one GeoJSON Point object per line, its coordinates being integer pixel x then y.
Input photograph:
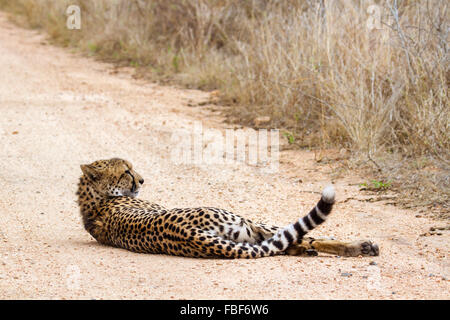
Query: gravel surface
{"type": "Point", "coordinates": [59, 110]}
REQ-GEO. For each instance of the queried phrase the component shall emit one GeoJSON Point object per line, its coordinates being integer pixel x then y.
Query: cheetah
{"type": "Point", "coordinates": [114, 216]}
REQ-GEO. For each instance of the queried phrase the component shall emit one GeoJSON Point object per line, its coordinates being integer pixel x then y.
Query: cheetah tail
{"type": "Point", "coordinates": [285, 237]}
{"type": "Point", "coordinates": [293, 233]}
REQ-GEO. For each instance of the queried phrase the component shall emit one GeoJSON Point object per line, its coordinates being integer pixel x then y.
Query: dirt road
{"type": "Point", "coordinates": [59, 110]}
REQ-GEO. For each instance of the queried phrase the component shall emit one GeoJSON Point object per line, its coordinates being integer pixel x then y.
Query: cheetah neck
{"type": "Point", "coordinates": [89, 200]}
{"type": "Point", "coordinates": [88, 197]}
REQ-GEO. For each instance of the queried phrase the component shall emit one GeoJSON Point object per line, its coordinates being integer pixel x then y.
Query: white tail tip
{"type": "Point", "coordinates": [328, 194]}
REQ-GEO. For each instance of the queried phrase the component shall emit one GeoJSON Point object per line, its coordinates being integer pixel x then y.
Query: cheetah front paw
{"type": "Point", "coordinates": [362, 248]}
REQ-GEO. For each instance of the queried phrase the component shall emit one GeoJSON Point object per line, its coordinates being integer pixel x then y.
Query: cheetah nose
{"type": "Point", "coordinates": [141, 181]}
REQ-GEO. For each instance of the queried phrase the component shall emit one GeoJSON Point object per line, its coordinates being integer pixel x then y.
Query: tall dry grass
{"type": "Point", "coordinates": [315, 67]}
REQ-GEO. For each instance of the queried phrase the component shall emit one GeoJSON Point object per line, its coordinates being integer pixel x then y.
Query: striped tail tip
{"type": "Point", "coordinates": [328, 194]}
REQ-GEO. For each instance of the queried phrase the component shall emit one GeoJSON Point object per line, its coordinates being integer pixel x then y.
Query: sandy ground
{"type": "Point", "coordinates": [59, 110]}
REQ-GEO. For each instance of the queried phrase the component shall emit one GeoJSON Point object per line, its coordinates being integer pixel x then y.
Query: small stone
{"type": "Point", "coordinates": [346, 274]}
{"type": "Point", "coordinates": [141, 280]}
{"type": "Point", "coordinates": [373, 263]}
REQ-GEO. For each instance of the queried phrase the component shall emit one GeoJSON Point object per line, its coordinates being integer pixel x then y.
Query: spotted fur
{"type": "Point", "coordinates": [113, 215]}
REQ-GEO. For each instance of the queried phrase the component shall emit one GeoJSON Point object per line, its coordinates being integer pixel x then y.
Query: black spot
{"type": "Point", "coordinates": [324, 206]}
{"type": "Point", "coordinates": [278, 244]}
{"type": "Point", "coordinates": [299, 230]}
{"type": "Point", "coordinates": [317, 220]}
{"type": "Point", "coordinates": [260, 236]}
{"type": "Point", "coordinates": [307, 223]}
{"type": "Point", "coordinates": [288, 236]}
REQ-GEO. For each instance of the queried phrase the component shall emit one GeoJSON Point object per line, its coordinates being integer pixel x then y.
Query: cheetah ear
{"type": "Point", "coordinates": [90, 172]}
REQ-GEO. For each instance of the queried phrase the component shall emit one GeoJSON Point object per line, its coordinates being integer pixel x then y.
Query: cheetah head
{"type": "Point", "coordinates": [113, 178]}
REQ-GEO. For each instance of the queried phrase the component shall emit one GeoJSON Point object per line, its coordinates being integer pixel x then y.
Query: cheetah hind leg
{"type": "Point", "coordinates": [310, 246]}
{"type": "Point", "coordinates": [346, 249]}
{"type": "Point", "coordinates": [299, 250]}
{"type": "Point", "coordinates": [339, 248]}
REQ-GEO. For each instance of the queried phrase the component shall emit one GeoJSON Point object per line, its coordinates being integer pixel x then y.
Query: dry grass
{"type": "Point", "coordinates": [314, 67]}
